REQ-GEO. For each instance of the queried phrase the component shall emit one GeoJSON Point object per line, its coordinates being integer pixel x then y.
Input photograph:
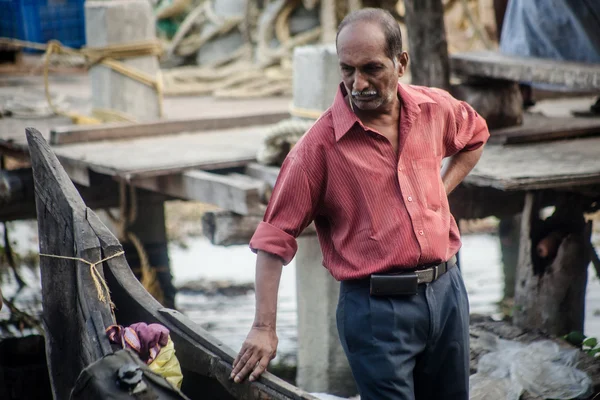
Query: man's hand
{"type": "Point", "coordinates": [258, 349]}
{"type": "Point", "coordinates": [458, 167]}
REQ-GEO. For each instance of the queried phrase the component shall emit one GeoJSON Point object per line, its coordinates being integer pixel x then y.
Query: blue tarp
{"type": "Point", "coordinates": [557, 29]}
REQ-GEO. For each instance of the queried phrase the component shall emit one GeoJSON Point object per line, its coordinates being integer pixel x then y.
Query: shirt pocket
{"type": "Point", "coordinates": [429, 181]}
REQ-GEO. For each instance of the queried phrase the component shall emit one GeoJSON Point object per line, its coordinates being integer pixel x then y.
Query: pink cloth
{"type": "Point", "coordinates": [146, 340]}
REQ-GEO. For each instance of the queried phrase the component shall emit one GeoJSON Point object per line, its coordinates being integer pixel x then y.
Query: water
{"type": "Point", "coordinates": [229, 318]}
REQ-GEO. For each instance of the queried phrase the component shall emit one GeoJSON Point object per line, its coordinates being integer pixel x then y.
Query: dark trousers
{"type": "Point", "coordinates": [407, 347]}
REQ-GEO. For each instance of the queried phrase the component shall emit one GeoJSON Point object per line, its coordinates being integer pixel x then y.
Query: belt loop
{"type": "Point", "coordinates": [435, 272]}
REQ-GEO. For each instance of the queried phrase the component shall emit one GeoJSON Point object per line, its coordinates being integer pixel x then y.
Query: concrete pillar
{"type": "Point", "coordinates": [322, 364]}
{"type": "Point", "coordinates": [116, 22]}
{"type": "Point", "coordinates": [316, 77]}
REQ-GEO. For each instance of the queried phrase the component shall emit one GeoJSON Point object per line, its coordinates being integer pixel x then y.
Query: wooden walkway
{"type": "Point", "coordinates": [489, 64]}
{"type": "Point", "coordinates": [193, 159]}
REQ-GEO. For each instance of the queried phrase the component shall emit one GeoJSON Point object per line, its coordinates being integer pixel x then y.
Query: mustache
{"type": "Point", "coordinates": [357, 93]}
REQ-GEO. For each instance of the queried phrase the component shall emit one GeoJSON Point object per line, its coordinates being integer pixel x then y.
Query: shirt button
{"type": "Point", "coordinates": [421, 233]}
{"type": "Point", "coordinates": [409, 198]}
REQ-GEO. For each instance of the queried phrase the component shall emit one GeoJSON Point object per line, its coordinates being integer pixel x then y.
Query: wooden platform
{"type": "Point", "coordinates": [489, 64]}
{"type": "Point", "coordinates": [539, 128]}
{"type": "Point", "coordinates": [550, 165]}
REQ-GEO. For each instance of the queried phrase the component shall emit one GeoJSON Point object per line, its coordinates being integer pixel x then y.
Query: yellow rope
{"type": "Point", "coordinates": [99, 281]}
{"type": "Point", "coordinates": [305, 112]}
{"type": "Point", "coordinates": [127, 216]}
{"type": "Point", "coordinates": [106, 56]}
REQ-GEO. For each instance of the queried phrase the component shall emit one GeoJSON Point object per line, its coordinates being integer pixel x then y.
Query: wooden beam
{"type": "Point", "coordinates": [19, 202]}
{"type": "Point", "coordinates": [538, 128]}
{"type": "Point", "coordinates": [472, 202]}
{"type": "Point", "coordinates": [230, 192]}
{"type": "Point", "coordinates": [265, 173]}
{"type": "Point", "coordinates": [118, 131]}
{"type": "Point", "coordinates": [428, 44]}
{"type": "Point", "coordinates": [224, 228]}
{"type": "Point", "coordinates": [489, 64]}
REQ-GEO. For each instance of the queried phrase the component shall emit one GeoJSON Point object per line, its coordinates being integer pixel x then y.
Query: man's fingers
{"type": "Point", "coordinates": [261, 366]}
{"type": "Point", "coordinates": [247, 367]}
{"type": "Point", "coordinates": [240, 361]}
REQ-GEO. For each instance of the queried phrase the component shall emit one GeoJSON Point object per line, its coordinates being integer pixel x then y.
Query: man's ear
{"type": "Point", "coordinates": [402, 63]}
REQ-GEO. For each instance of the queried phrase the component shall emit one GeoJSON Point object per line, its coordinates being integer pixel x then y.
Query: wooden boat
{"type": "Point", "coordinates": [75, 319]}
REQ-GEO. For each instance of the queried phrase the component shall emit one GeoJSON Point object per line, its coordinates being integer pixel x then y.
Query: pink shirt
{"type": "Point", "coordinates": [373, 211]}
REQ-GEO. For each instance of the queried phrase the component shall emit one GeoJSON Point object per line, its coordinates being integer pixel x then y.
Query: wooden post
{"type": "Point", "coordinates": [149, 228]}
{"type": "Point", "coordinates": [428, 45]}
{"type": "Point", "coordinates": [552, 270]}
{"type": "Point", "coordinates": [509, 233]}
{"type": "Point", "coordinates": [328, 21]}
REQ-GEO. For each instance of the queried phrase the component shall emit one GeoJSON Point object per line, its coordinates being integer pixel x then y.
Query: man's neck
{"type": "Point", "coordinates": [387, 115]}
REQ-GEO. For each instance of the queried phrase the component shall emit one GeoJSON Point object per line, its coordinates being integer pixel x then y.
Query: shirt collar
{"type": "Point", "coordinates": [344, 118]}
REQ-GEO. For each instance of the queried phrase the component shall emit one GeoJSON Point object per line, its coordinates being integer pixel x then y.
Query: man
{"type": "Point", "coordinates": [368, 174]}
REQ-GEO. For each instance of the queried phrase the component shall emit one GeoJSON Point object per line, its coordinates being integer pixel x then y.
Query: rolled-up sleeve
{"type": "Point", "coordinates": [291, 209]}
{"type": "Point", "coordinates": [468, 130]}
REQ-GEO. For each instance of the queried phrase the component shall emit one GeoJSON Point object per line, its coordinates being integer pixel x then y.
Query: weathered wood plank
{"type": "Point", "coordinates": [561, 164]}
{"type": "Point", "coordinates": [263, 172]}
{"type": "Point", "coordinates": [489, 64]}
{"type": "Point", "coordinates": [119, 131]}
{"type": "Point", "coordinates": [537, 128]}
{"type": "Point", "coordinates": [224, 228]}
{"type": "Point", "coordinates": [102, 193]}
{"type": "Point", "coordinates": [471, 202]}
{"type": "Point", "coordinates": [242, 196]}
{"type": "Point", "coordinates": [66, 284]}
{"type": "Point", "coordinates": [163, 155]}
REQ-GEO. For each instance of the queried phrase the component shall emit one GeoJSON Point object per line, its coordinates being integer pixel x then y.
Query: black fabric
{"type": "Point", "coordinates": [99, 381]}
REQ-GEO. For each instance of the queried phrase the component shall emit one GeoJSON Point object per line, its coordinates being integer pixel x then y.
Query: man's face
{"type": "Point", "coordinates": [370, 76]}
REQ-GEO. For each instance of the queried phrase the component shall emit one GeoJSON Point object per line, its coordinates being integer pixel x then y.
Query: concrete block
{"type": "Point", "coordinates": [322, 364]}
{"type": "Point", "coordinates": [316, 76]}
{"type": "Point", "coordinates": [114, 22]}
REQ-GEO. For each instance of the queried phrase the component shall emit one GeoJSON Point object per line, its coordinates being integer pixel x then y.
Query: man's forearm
{"type": "Point", "coordinates": [268, 275]}
{"type": "Point", "coordinates": [458, 167]}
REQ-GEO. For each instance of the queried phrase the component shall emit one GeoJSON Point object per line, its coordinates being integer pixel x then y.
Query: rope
{"type": "Point", "coordinates": [305, 112]}
{"type": "Point", "coordinates": [127, 216]}
{"type": "Point", "coordinates": [238, 76]}
{"type": "Point", "coordinates": [99, 281]}
{"type": "Point", "coordinates": [106, 56]}
{"type": "Point", "coordinates": [280, 138]}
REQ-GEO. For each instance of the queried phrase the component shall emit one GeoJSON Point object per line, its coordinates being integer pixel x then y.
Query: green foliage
{"type": "Point", "coordinates": [589, 345]}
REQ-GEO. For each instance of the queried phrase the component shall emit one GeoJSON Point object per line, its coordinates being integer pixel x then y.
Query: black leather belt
{"type": "Point", "coordinates": [406, 283]}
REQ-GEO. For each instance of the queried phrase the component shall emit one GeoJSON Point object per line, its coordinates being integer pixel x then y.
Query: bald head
{"type": "Point", "coordinates": [387, 23]}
